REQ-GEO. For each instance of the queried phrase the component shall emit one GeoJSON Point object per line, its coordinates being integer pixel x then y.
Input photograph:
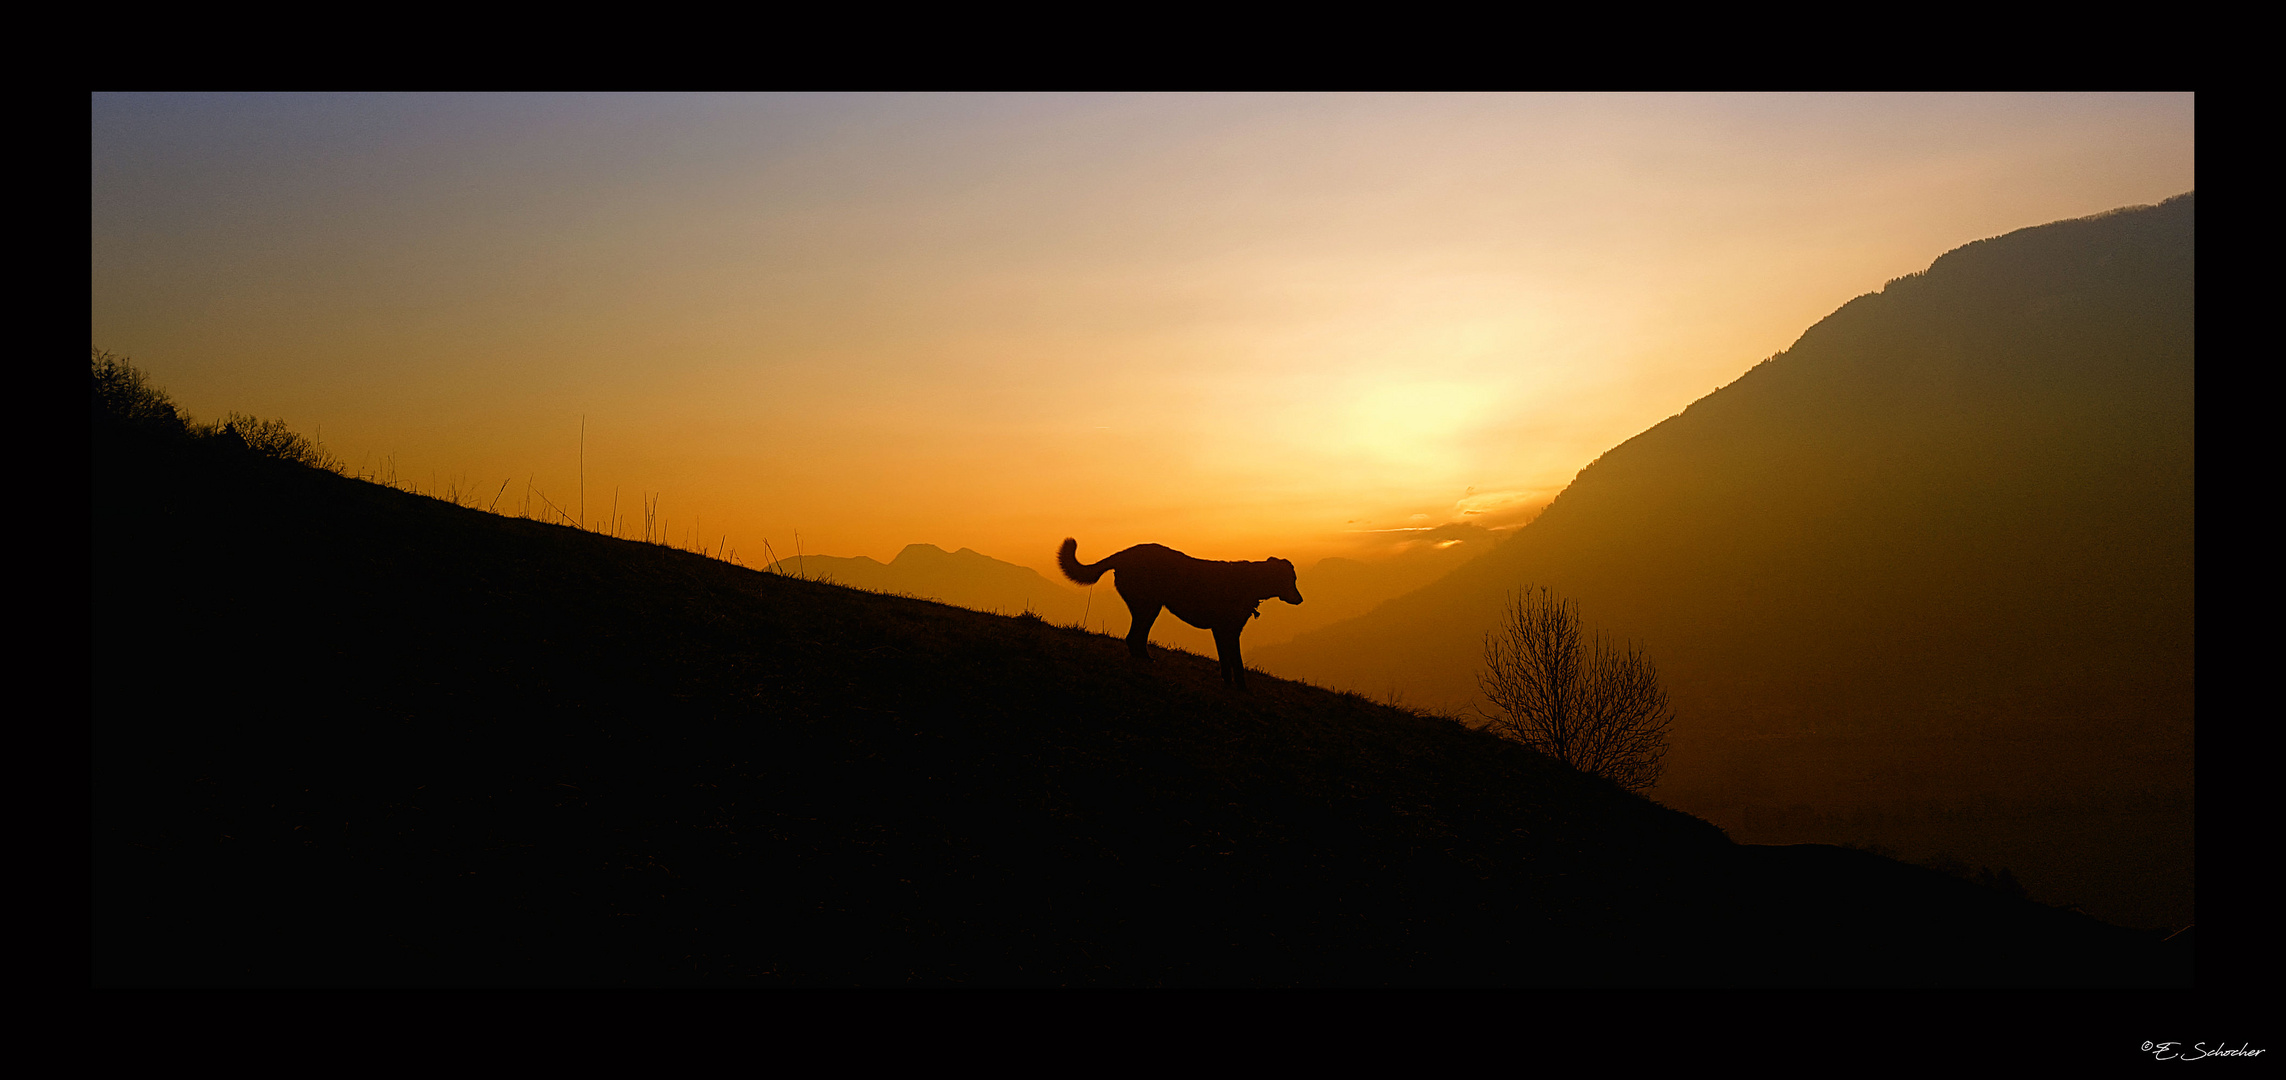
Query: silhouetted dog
{"type": "Point", "coordinates": [1217, 596]}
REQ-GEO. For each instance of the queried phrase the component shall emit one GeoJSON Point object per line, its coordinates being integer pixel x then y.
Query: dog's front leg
{"type": "Point", "coordinates": [1226, 648]}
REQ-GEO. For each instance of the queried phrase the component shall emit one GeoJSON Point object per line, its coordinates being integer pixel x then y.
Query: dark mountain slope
{"type": "Point", "coordinates": [1938, 551]}
{"type": "Point", "coordinates": [348, 736]}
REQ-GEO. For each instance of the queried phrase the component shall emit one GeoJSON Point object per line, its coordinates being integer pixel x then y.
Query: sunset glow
{"type": "Point", "coordinates": [1237, 325]}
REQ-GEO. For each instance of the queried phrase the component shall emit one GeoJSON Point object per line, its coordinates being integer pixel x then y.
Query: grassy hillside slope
{"type": "Point", "coordinates": [343, 735]}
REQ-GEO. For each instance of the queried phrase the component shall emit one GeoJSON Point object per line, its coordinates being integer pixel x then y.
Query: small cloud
{"type": "Point", "coordinates": [1504, 509]}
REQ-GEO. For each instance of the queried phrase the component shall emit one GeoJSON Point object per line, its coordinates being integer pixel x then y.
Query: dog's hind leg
{"type": "Point", "coordinates": [1139, 632]}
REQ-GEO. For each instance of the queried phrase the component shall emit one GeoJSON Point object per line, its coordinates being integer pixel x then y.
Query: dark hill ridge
{"type": "Point", "coordinates": [966, 577]}
{"type": "Point", "coordinates": [348, 736]}
{"type": "Point", "coordinates": [1924, 579]}
{"type": "Point", "coordinates": [1337, 588]}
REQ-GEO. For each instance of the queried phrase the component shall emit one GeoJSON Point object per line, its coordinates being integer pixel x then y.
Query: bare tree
{"type": "Point", "coordinates": [1595, 706]}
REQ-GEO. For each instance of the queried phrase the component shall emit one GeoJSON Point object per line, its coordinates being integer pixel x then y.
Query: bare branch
{"type": "Point", "coordinates": [1600, 709]}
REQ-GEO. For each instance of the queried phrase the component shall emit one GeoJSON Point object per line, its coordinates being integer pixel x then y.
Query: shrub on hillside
{"type": "Point", "coordinates": [1595, 705]}
{"type": "Point", "coordinates": [273, 439]}
{"type": "Point", "coordinates": [120, 393]}
{"type": "Point", "coordinates": [121, 396]}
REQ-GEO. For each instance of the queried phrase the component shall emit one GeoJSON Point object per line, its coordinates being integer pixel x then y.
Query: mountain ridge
{"type": "Point", "coordinates": [1334, 587]}
{"type": "Point", "coordinates": [1959, 507]}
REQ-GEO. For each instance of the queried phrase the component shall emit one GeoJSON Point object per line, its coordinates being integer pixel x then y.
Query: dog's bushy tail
{"type": "Point", "coordinates": [1067, 560]}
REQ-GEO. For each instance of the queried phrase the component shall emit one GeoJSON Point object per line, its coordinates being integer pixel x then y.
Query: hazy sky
{"type": "Point", "coordinates": [1237, 325]}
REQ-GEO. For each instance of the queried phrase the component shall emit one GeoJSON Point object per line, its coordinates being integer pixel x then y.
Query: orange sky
{"type": "Point", "coordinates": [1237, 325]}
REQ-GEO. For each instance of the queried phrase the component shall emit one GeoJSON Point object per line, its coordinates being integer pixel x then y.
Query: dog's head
{"type": "Point", "coordinates": [1279, 576]}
